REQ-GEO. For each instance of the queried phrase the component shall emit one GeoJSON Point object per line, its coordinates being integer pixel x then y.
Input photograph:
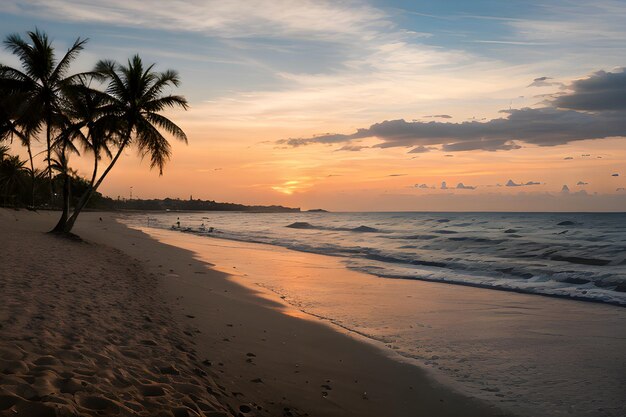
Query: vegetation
{"type": "Point", "coordinates": [42, 99]}
{"type": "Point", "coordinates": [191, 205]}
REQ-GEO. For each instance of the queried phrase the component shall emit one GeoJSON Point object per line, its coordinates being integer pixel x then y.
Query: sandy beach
{"type": "Point", "coordinates": [120, 324]}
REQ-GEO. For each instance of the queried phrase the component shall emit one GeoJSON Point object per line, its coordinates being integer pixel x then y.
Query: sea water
{"type": "Point", "coordinates": [574, 255]}
{"type": "Point", "coordinates": [528, 353]}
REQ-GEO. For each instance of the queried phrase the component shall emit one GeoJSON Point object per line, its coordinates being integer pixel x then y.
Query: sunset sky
{"type": "Point", "coordinates": [370, 105]}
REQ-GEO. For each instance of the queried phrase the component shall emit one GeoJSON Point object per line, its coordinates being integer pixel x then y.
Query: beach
{"type": "Point", "coordinates": [120, 324]}
{"type": "Point", "coordinates": [528, 354]}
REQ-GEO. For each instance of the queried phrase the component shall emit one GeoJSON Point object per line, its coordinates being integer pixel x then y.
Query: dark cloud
{"type": "Point", "coordinates": [352, 148]}
{"type": "Point", "coordinates": [582, 183]}
{"type": "Point", "coordinates": [444, 186]}
{"type": "Point", "coordinates": [544, 127]}
{"type": "Point", "coordinates": [396, 175]}
{"type": "Point", "coordinates": [511, 183]}
{"type": "Point", "coordinates": [421, 149]}
{"type": "Point", "coordinates": [615, 175]}
{"type": "Point", "coordinates": [421, 186]}
{"type": "Point", "coordinates": [543, 82]}
{"type": "Point", "coordinates": [602, 91]}
{"type": "Point", "coordinates": [568, 158]}
{"type": "Point", "coordinates": [439, 116]}
{"type": "Point", "coordinates": [565, 189]}
{"type": "Point", "coordinates": [595, 108]}
{"type": "Point", "coordinates": [461, 186]}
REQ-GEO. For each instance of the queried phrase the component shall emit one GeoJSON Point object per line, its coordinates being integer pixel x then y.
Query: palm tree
{"type": "Point", "coordinates": [82, 121]}
{"type": "Point", "coordinates": [4, 152]}
{"type": "Point", "coordinates": [10, 106]}
{"type": "Point", "coordinates": [12, 174]}
{"type": "Point", "coordinates": [136, 96]}
{"type": "Point", "coordinates": [41, 81]}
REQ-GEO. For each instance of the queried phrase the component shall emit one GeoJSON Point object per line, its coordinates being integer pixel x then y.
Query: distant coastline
{"type": "Point", "coordinates": [175, 204]}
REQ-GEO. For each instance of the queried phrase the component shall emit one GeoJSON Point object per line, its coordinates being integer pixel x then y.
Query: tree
{"type": "Point", "coordinates": [10, 103]}
{"type": "Point", "coordinates": [83, 121]}
{"type": "Point", "coordinates": [12, 175]}
{"type": "Point", "coordinates": [41, 81]}
{"type": "Point", "coordinates": [136, 99]}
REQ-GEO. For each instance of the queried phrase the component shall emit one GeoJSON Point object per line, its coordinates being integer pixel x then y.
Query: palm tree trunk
{"type": "Point", "coordinates": [91, 190]}
{"type": "Point", "coordinates": [49, 152]}
{"type": "Point", "coordinates": [60, 227]}
{"type": "Point", "coordinates": [32, 174]}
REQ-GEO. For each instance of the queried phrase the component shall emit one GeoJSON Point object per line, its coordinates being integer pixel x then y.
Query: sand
{"type": "Point", "coordinates": [84, 332]}
{"type": "Point", "coordinates": [121, 324]}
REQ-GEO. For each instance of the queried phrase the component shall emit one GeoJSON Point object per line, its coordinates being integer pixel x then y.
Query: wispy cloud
{"type": "Point", "coordinates": [235, 18]}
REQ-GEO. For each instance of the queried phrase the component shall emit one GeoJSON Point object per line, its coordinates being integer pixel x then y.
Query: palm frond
{"type": "Point", "coordinates": [63, 66]}
{"type": "Point", "coordinates": [167, 125]}
{"type": "Point", "coordinates": [161, 103]}
{"type": "Point", "coordinates": [151, 142]}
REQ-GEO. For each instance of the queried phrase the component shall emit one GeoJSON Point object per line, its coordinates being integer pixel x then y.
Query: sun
{"type": "Point", "coordinates": [289, 187]}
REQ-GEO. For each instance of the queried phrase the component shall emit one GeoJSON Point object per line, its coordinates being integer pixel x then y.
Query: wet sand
{"type": "Point", "coordinates": [529, 354]}
{"type": "Point", "coordinates": [123, 321]}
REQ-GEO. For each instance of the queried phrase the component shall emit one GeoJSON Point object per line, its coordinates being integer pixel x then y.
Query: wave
{"type": "Point", "coordinates": [512, 251]}
{"type": "Point", "coordinates": [309, 226]}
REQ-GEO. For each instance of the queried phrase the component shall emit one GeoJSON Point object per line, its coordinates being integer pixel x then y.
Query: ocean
{"type": "Point", "coordinates": [580, 256]}
{"type": "Point", "coordinates": [556, 350]}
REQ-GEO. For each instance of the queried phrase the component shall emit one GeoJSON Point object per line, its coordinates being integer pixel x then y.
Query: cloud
{"type": "Point", "coordinates": [566, 119]}
{"type": "Point", "coordinates": [511, 183]}
{"type": "Point", "coordinates": [602, 91]}
{"type": "Point", "coordinates": [229, 19]}
{"type": "Point", "coordinates": [565, 189]}
{"type": "Point", "coordinates": [421, 186]}
{"type": "Point", "coordinates": [352, 148]}
{"type": "Point", "coordinates": [421, 149]}
{"type": "Point", "coordinates": [396, 175]}
{"type": "Point", "coordinates": [444, 186]}
{"type": "Point", "coordinates": [582, 183]}
{"type": "Point", "coordinates": [439, 116]}
{"type": "Point", "coordinates": [543, 82]}
{"type": "Point", "coordinates": [568, 158]}
{"type": "Point", "coordinates": [615, 175]}
{"type": "Point", "coordinates": [461, 186]}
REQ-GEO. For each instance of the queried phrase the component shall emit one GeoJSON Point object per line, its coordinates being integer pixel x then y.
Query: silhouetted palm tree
{"type": "Point", "coordinates": [40, 81]}
{"type": "Point", "coordinates": [136, 95]}
{"type": "Point", "coordinates": [10, 104]}
{"type": "Point", "coordinates": [12, 175]}
{"type": "Point", "coordinates": [83, 122]}
{"type": "Point", "coordinates": [4, 152]}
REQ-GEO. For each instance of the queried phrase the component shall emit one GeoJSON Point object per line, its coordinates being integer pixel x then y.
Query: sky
{"type": "Point", "coordinates": [370, 105]}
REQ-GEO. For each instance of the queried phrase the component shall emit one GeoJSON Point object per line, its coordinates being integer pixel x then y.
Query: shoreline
{"type": "Point", "coordinates": [261, 357]}
{"type": "Point", "coordinates": [461, 283]}
{"type": "Point", "coordinates": [511, 327]}
{"type": "Point", "coordinates": [244, 311]}
{"type": "Point", "coordinates": [369, 382]}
